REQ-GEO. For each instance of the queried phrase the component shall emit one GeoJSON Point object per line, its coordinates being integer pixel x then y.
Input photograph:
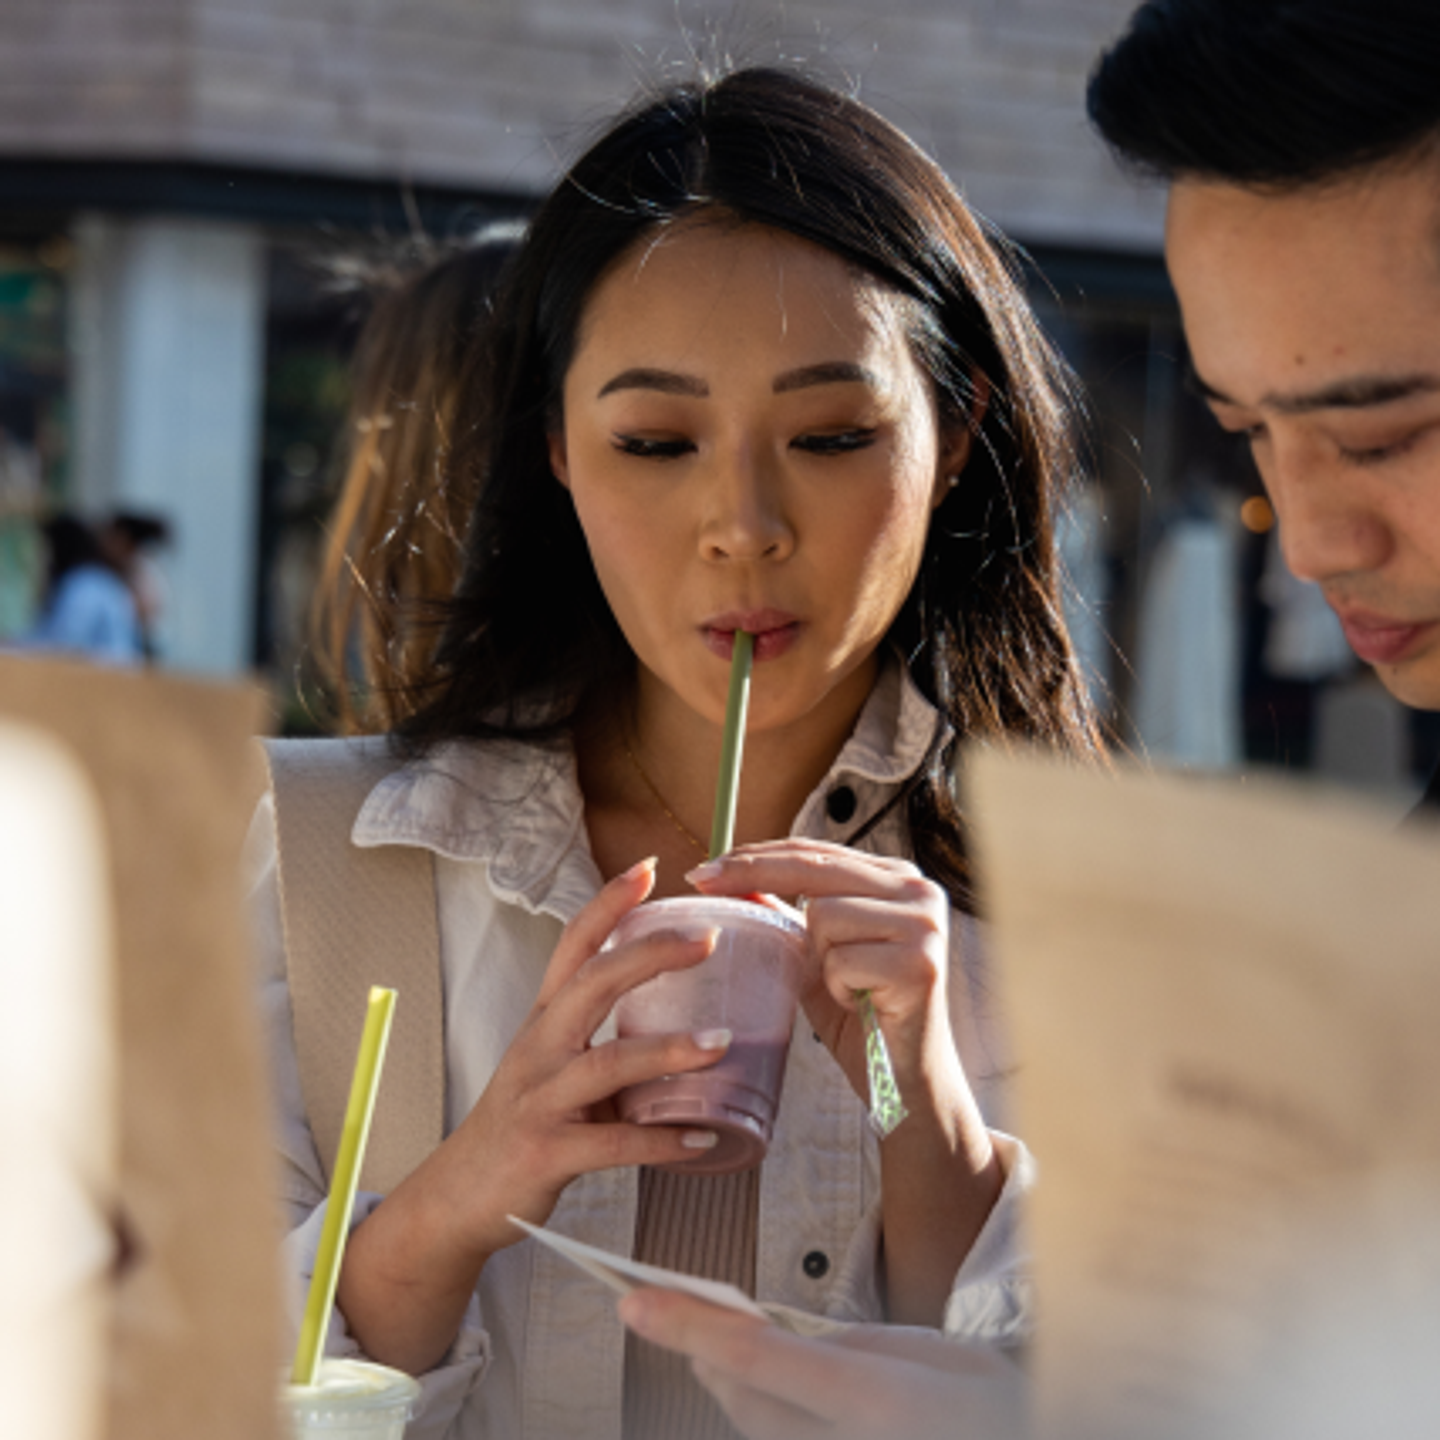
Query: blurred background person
{"type": "Point", "coordinates": [129, 539]}
{"type": "Point", "coordinates": [396, 536]}
{"type": "Point", "coordinates": [86, 607]}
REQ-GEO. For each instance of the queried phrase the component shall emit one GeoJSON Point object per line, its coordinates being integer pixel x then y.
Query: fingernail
{"type": "Point", "coordinates": [713, 1039]}
{"type": "Point", "coordinates": [708, 871]}
{"type": "Point", "coordinates": [699, 1139]}
{"type": "Point", "coordinates": [640, 867]}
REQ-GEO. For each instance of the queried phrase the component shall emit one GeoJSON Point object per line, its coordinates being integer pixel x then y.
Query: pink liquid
{"type": "Point", "coordinates": [736, 1098]}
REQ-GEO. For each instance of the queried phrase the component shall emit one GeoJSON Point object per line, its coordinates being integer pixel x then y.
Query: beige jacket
{"type": "Point", "coordinates": [541, 1353]}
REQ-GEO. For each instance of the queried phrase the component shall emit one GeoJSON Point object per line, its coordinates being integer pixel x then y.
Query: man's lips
{"type": "Point", "coordinates": [1380, 639]}
{"type": "Point", "coordinates": [775, 631]}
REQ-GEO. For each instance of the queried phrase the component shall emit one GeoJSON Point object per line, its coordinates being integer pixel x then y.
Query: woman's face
{"type": "Point", "coordinates": [750, 444]}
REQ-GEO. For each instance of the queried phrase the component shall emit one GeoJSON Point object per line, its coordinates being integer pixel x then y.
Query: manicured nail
{"type": "Point", "coordinates": [699, 1139]}
{"type": "Point", "coordinates": [708, 871]}
{"type": "Point", "coordinates": [641, 867]}
{"type": "Point", "coordinates": [713, 1039]}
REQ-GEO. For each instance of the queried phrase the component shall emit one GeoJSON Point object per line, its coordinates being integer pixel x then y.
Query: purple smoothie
{"type": "Point", "coordinates": [748, 986]}
{"type": "Point", "coordinates": [736, 1098]}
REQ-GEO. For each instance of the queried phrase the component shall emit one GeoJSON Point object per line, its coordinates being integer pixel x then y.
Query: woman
{"type": "Point", "coordinates": [755, 367]}
{"type": "Point", "coordinates": [395, 538]}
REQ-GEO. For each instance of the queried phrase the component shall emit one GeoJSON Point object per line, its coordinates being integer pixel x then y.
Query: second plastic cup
{"type": "Point", "coordinates": [749, 986]}
{"type": "Point", "coordinates": [351, 1400]}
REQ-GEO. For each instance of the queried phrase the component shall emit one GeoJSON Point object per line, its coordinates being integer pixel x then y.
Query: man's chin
{"type": "Point", "coordinates": [1415, 683]}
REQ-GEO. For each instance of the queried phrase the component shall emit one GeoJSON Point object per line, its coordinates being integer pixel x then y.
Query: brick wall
{"type": "Point", "coordinates": [494, 93]}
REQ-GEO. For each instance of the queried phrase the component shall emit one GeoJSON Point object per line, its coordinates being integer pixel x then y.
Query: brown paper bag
{"type": "Point", "coordinates": [196, 1341]}
{"type": "Point", "coordinates": [58, 1117]}
{"type": "Point", "coordinates": [1223, 999]}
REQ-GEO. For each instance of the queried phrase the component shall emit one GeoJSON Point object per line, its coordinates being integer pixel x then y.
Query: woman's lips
{"type": "Point", "coordinates": [1381, 641]}
{"type": "Point", "coordinates": [774, 631]}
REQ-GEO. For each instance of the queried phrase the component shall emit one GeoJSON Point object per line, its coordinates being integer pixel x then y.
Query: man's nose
{"type": "Point", "coordinates": [1331, 521]}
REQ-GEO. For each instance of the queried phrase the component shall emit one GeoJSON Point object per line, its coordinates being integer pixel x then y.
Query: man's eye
{"type": "Point", "coordinates": [839, 442]}
{"type": "Point", "coordinates": [1376, 454]}
{"type": "Point", "coordinates": [652, 449]}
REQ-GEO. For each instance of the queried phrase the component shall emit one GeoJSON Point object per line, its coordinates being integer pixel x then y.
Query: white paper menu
{"type": "Point", "coordinates": [1224, 1003]}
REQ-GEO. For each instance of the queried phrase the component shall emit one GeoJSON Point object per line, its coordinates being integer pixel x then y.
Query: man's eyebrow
{"type": "Point", "coordinates": [832, 372]}
{"type": "Point", "coordinates": [668, 382]}
{"type": "Point", "coordinates": [1358, 392]}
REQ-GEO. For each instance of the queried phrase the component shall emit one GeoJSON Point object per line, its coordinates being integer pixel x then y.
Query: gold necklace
{"type": "Point", "coordinates": [670, 815]}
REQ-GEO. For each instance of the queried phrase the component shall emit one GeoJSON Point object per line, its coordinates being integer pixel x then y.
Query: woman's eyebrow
{"type": "Point", "coordinates": [672, 382]}
{"type": "Point", "coordinates": [832, 372]}
{"type": "Point", "coordinates": [668, 382]}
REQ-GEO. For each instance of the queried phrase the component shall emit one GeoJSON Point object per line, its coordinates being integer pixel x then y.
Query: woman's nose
{"type": "Point", "coordinates": [746, 517]}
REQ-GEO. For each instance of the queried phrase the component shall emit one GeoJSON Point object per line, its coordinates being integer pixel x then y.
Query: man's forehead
{"type": "Point", "coordinates": [1315, 299]}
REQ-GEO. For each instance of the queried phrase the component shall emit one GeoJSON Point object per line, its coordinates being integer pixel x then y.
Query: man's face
{"type": "Point", "coordinates": [1313, 319]}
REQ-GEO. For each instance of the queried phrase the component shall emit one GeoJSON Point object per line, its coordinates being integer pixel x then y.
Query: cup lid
{"type": "Point", "coordinates": [680, 911]}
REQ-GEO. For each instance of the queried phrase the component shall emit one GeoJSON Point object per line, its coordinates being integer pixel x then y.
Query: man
{"type": "Point", "coordinates": [1301, 140]}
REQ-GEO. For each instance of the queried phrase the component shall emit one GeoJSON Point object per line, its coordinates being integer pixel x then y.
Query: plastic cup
{"type": "Point", "coordinates": [351, 1400]}
{"type": "Point", "coordinates": [749, 985]}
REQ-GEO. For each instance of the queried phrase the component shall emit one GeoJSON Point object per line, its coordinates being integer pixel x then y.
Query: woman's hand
{"type": "Point", "coordinates": [547, 1114]}
{"type": "Point", "coordinates": [867, 1384]}
{"type": "Point", "coordinates": [877, 924]}
{"type": "Point", "coordinates": [545, 1117]}
{"type": "Point", "coordinates": [873, 923]}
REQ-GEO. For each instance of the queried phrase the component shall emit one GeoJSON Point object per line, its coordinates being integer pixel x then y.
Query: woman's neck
{"type": "Point", "coordinates": [648, 775]}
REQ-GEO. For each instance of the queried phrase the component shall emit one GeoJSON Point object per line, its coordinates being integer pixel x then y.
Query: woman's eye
{"type": "Point", "coordinates": [652, 449]}
{"type": "Point", "coordinates": [839, 442]}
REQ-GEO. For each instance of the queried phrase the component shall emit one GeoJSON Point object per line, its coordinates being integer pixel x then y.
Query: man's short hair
{"type": "Point", "coordinates": [1277, 93]}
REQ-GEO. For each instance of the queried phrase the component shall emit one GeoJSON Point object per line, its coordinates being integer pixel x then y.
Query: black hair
{"type": "Point", "coordinates": [1270, 93]}
{"type": "Point", "coordinates": [529, 635]}
{"type": "Point", "coordinates": [70, 543]}
{"type": "Point", "coordinates": [140, 529]}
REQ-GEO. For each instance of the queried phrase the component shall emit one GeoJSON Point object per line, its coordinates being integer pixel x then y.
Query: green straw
{"type": "Point", "coordinates": [354, 1134]}
{"type": "Point", "coordinates": [732, 745]}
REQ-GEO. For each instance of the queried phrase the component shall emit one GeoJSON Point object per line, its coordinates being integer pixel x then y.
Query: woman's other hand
{"type": "Point", "coordinates": [873, 924]}
{"type": "Point", "coordinates": [877, 924]}
{"type": "Point", "coordinates": [867, 1383]}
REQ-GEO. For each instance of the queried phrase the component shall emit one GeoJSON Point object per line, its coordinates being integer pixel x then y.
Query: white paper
{"type": "Point", "coordinates": [623, 1275]}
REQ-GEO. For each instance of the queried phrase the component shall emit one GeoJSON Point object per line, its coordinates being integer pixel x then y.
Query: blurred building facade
{"type": "Point", "coordinates": [155, 155]}
{"type": "Point", "coordinates": [170, 170]}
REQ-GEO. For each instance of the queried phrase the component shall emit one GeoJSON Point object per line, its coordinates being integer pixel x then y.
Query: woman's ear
{"type": "Point", "coordinates": [559, 462]}
{"type": "Point", "coordinates": [956, 442]}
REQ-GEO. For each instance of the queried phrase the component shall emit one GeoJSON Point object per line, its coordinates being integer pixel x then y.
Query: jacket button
{"type": "Point", "coordinates": [840, 804]}
{"type": "Point", "coordinates": [815, 1264]}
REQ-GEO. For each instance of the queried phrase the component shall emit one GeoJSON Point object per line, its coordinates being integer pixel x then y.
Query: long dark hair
{"type": "Point", "coordinates": [1273, 93]}
{"type": "Point", "coordinates": [395, 537]}
{"type": "Point", "coordinates": [530, 636]}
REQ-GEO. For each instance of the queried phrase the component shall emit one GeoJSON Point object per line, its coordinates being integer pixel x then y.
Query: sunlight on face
{"type": "Point", "coordinates": [1313, 319]}
{"type": "Point", "coordinates": [750, 444]}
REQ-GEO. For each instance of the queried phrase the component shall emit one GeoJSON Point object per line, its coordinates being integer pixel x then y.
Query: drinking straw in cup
{"type": "Point", "coordinates": [359, 1111]}
{"type": "Point", "coordinates": [732, 745]}
{"type": "Point", "coordinates": [886, 1108]}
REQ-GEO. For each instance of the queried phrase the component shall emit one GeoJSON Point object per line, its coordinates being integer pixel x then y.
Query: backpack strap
{"type": "Point", "coordinates": [356, 917]}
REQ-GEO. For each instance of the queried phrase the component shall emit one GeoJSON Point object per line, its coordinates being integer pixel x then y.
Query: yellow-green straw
{"type": "Point", "coordinates": [354, 1134]}
{"type": "Point", "coordinates": [732, 745]}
